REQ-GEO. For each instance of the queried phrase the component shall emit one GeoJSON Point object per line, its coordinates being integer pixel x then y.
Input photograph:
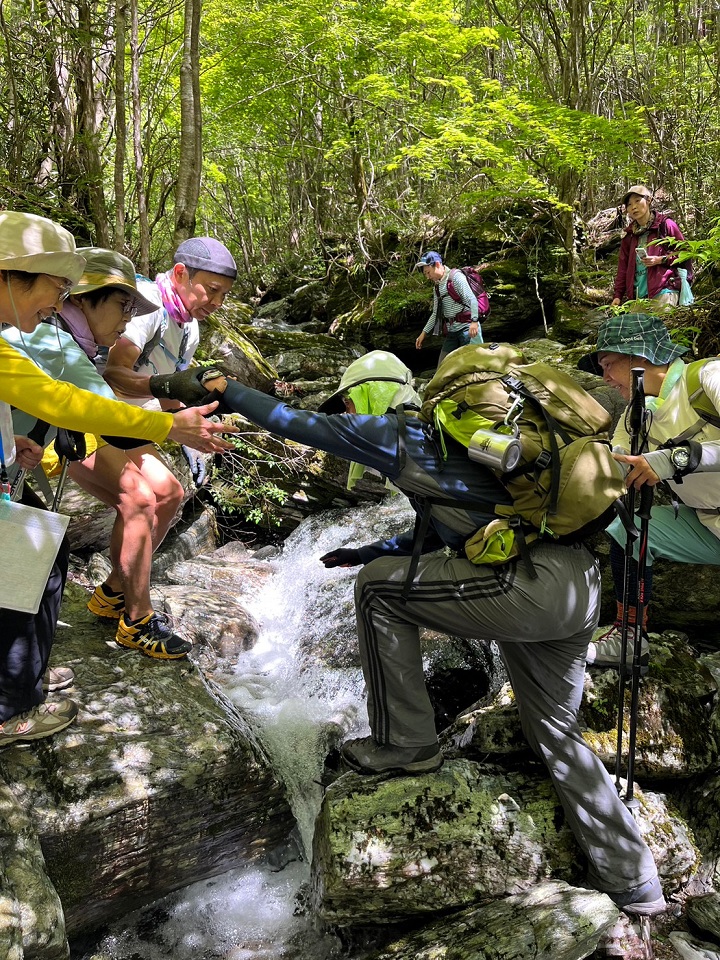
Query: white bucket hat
{"type": "Point", "coordinates": [34, 244]}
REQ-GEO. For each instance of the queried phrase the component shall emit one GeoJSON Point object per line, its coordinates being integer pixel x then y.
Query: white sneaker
{"type": "Point", "coordinates": [606, 647]}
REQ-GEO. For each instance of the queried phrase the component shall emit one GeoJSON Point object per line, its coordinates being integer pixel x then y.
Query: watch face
{"type": "Point", "coordinates": [680, 457]}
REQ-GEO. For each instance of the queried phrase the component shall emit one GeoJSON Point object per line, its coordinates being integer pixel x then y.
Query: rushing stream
{"type": "Point", "coordinates": [302, 707]}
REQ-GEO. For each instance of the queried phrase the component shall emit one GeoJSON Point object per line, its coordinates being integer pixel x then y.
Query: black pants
{"type": "Point", "coordinates": [26, 639]}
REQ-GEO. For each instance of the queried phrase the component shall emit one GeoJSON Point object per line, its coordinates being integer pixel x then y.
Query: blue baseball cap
{"type": "Point", "coordinates": [428, 259]}
{"type": "Point", "coordinates": [206, 253]}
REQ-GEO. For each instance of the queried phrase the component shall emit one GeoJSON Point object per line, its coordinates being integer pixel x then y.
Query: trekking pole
{"type": "Point", "coordinates": [69, 446]}
{"type": "Point", "coordinates": [634, 423]}
{"type": "Point", "coordinates": [646, 499]}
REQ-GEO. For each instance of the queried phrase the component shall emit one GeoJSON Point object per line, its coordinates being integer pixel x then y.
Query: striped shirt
{"type": "Point", "coordinates": [450, 308]}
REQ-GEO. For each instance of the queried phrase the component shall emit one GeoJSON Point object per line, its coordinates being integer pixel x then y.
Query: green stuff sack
{"type": "Point", "coordinates": [566, 481]}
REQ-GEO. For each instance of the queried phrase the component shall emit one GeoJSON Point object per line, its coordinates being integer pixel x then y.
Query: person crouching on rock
{"type": "Point", "coordinates": [542, 625]}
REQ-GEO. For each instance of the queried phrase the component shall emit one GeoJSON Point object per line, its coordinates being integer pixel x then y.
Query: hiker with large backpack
{"type": "Point", "coordinates": [460, 304]}
{"type": "Point", "coordinates": [647, 267]}
{"type": "Point", "coordinates": [681, 447]}
{"type": "Point", "coordinates": [542, 613]}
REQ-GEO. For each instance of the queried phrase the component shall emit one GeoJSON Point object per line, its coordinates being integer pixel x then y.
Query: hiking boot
{"type": "Point", "coordinates": [57, 678]}
{"type": "Point", "coordinates": [41, 721]}
{"type": "Point", "coordinates": [643, 901]}
{"type": "Point", "coordinates": [153, 636]}
{"type": "Point", "coordinates": [367, 756]}
{"type": "Point", "coordinates": [106, 603]}
{"type": "Point", "coordinates": [606, 646]}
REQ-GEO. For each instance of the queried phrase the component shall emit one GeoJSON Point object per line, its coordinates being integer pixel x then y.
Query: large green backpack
{"type": "Point", "coordinates": [566, 482]}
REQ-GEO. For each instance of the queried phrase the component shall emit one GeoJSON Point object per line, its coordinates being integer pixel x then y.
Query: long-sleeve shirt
{"type": "Point", "coordinates": [446, 308]}
{"type": "Point", "coordinates": [673, 416]}
{"type": "Point", "coordinates": [406, 456]}
{"type": "Point", "coordinates": [662, 277]}
{"type": "Point", "coordinates": [25, 386]}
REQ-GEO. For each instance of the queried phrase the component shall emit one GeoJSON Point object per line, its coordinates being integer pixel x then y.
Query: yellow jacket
{"type": "Point", "coordinates": [25, 386]}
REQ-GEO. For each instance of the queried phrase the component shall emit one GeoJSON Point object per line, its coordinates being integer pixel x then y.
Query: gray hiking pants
{"type": "Point", "coordinates": [542, 628]}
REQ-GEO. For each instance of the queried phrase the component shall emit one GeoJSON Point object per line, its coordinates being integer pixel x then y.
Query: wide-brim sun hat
{"type": "Point", "coordinates": [108, 268]}
{"type": "Point", "coordinates": [378, 365]}
{"type": "Point", "coordinates": [636, 335]}
{"type": "Point", "coordinates": [34, 244]}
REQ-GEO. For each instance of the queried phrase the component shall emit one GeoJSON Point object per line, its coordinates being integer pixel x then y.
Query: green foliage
{"type": "Point", "coordinates": [241, 487]}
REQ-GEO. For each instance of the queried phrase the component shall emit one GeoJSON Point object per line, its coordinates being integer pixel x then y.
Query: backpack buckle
{"type": "Point", "coordinates": [543, 460]}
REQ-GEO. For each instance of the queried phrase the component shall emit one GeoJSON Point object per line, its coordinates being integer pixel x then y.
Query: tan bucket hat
{"type": "Point", "coordinates": [35, 244]}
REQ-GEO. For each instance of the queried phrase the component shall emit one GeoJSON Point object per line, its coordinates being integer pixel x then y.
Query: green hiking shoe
{"type": "Point", "coordinates": [365, 755]}
{"type": "Point", "coordinates": [153, 636]}
{"type": "Point", "coordinates": [41, 721]}
{"type": "Point", "coordinates": [106, 603]}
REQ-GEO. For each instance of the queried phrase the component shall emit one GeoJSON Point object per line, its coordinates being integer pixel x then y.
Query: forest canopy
{"type": "Point", "coordinates": [280, 126]}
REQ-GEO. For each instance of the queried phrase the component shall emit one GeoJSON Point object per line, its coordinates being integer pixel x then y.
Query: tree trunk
{"type": "Point", "coordinates": [190, 165]}
{"type": "Point", "coordinates": [90, 119]}
{"type": "Point", "coordinates": [140, 187]}
{"type": "Point", "coordinates": [120, 125]}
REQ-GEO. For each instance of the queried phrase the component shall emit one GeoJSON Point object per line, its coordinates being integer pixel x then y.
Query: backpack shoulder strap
{"type": "Point", "coordinates": [699, 400]}
{"type": "Point", "coordinates": [451, 286]}
{"type": "Point", "coordinates": [148, 349]}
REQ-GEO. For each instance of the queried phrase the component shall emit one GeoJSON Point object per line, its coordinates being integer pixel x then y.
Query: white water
{"type": "Point", "coordinates": [301, 708]}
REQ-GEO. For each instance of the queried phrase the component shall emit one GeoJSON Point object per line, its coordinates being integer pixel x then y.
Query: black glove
{"type": "Point", "coordinates": [196, 462]}
{"type": "Point", "coordinates": [342, 557]}
{"type": "Point", "coordinates": [185, 386]}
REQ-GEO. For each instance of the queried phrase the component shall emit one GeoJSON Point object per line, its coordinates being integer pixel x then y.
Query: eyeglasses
{"type": "Point", "coordinates": [64, 286]}
{"type": "Point", "coordinates": [129, 309]}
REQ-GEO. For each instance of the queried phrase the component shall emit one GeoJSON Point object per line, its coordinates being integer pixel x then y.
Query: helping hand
{"type": "Point", "coordinates": [193, 430]}
{"type": "Point", "coordinates": [187, 386]}
{"type": "Point", "coordinates": [342, 557]}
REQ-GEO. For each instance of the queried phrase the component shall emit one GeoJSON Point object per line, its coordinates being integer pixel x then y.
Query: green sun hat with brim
{"type": "Point", "coordinates": [375, 367]}
{"type": "Point", "coordinates": [634, 334]}
{"type": "Point", "coordinates": [33, 244]}
{"type": "Point", "coordinates": [108, 268]}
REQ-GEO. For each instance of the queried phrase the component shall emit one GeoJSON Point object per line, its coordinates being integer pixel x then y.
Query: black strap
{"type": "Point", "coordinates": [422, 522]}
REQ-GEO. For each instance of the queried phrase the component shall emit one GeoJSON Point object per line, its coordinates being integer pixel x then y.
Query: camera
{"type": "Point", "coordinates": [499, 451]}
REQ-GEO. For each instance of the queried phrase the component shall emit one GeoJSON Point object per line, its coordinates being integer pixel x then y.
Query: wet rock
{"type": "Point", "coordinates": [466, 833]}
{"type": "Point", "coordinates": [237, 353]}
{"type": "Point", "coordinates": [549, 920]}
{"type": "Point", "coordinates": [159, 782]}
{"type": "Point", "coordinates": [676, 698]}
{"type": "Point", "coordinates": [690, 948]}
{"type": "Point", "coordinates": [705, 913]}
{"type": "Point", "coordinates": [31, 917]}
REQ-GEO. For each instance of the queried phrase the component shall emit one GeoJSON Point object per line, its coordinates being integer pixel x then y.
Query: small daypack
{"type": "Point", "coordinates": [475, 282]}
{"type": "Point", "coordinates": [566, 482]}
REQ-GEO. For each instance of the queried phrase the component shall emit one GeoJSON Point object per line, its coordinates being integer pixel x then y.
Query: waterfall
{"type": "Point", "coordinates": [301, 688]}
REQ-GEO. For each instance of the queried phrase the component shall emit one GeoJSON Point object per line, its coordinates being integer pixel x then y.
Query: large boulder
{"type": "Point", "coordinates": [676, 734]}
{"type": "Point", "coordinates": [159, 782]}
{"type": "Point", "coordinates": [466, 833]}
{"type": "Point", "coordinates": [552, 919]}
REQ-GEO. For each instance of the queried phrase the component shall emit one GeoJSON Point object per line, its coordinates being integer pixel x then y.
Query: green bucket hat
{"type": "Point", "coordinates": [108, 268]}
{"type": "Point", "coordinates": [635, 334]}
